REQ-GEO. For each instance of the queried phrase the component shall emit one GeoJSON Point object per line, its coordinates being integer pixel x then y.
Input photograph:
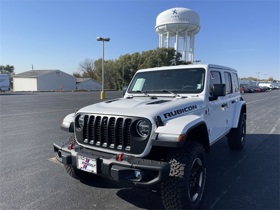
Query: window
{"type": "Point", "coordinates": [174, 80]}
{"type": "Point", "coordinates": [235, 83]}
{"type": "Point", "coordinates": [228, 82]}
{"type": "Point", "coordinates": [215, 78]}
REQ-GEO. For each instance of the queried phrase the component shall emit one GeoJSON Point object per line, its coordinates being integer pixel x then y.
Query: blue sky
{"type": "Point", "coordinates": [59, 34]}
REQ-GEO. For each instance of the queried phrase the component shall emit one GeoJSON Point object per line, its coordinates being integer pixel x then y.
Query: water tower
{"type": "Point", "coordinates": [176, 28]}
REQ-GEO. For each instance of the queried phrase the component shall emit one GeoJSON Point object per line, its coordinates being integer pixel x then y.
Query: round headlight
{"type": "Point", "coordinates": [142, 128]}
{"type": "Point", "coordinates": [81, 120]}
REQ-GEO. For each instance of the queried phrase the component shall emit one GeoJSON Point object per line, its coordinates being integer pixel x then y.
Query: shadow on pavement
{"type": "Point", "coordinates": [246, 179]}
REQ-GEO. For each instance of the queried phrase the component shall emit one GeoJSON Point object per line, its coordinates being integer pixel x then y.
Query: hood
{"type": "Point", "coordinates": [146, 107]}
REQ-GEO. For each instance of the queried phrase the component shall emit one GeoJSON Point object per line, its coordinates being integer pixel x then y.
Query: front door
{"type": "Point", "coordinates": [218, 110]}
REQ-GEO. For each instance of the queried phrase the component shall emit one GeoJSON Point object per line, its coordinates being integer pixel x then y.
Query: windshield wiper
{"type": "Point", "coordinates": [141, 91]}
{"type": "Point", "coordinates": [173, 93]}
{"type": "Point", "coordinates": [163, 91]}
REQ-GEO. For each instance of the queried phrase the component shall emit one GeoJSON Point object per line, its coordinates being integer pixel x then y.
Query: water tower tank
{"type": "Point", "coordinates": [176, 28]}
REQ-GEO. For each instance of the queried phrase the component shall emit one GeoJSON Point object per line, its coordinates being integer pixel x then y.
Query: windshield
{"type": "Point", "coordinates": [166, 81]}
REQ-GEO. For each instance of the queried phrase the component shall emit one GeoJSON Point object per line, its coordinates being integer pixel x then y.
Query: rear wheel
{"type": "Point", "coordinates": [185, 185]}
{"type": "Point", "coordinates": [237, 136]}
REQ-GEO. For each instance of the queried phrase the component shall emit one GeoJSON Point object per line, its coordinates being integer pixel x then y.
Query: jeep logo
{"type": "Point", "coordinates": [179, 111]}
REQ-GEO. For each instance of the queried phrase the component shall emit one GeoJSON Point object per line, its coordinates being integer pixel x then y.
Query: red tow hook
{"type": "Point", "coordinates": [70, 147]}
{"type": "Point", "coordinates": [120, 157]}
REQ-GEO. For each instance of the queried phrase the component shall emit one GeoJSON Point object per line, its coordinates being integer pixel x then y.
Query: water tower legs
{"type": "Point", "coordinates": [182, 42]}
{"type": "Point", "coordinates": [191, 51]}
{"type": "Point", "coordinates": [161, 41]}
{"type": "Point", "coordinates": [176, 44]}
{"type": "Point", "coordinates": [184, 54]}
{"type": "Point", "coordinates": [167, 39]}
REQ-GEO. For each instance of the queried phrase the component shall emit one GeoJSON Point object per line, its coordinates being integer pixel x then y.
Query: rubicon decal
{"type": "Point", "coordinates": [179, 111]}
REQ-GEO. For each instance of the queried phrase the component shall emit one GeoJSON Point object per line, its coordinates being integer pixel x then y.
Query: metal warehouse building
{"type": "Point", "coordinates": [88, 84]}
{"type": "Point", "coordinates": [44, 80]}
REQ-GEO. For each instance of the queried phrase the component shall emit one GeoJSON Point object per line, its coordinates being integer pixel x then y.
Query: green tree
{"type": "Point", "coordinates": [87, 68]}
{"type": "Point", "coordinates": [77, 75]}
{"type": "Point", "coordinates": [270, 79]}
{"type": "Point", "coordinates": [111, 74]}
{"type": "Point", "coordinates": [160, 57]}
{"type": "Point", "coordinates": [98, 69]}
{"type": "Point", "coordinates": [125, 65]}
{"type": "Point", "coordinates": [250, 78]}
{"type": "Point", "coordinates": [119, 72]}
{"type": "Point", "coordinates": [128, 64]}
{"type": "Point", "coordinates": [10, 70]}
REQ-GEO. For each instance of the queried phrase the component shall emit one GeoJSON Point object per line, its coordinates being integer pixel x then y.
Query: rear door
{"type": "Point", "coordinates": [228, 98]}
{"type": "Point", "coordinates": [233, 95]}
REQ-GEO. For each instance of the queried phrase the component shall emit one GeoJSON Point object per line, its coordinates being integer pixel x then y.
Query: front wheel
{"type": "Point", "coordinates": [237, 136]}
{"type": "Point", "coordinates": [185, 185]}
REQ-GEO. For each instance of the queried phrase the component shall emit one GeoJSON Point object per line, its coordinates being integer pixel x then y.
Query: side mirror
{"type": "Point", "coordinates": [218, 90]}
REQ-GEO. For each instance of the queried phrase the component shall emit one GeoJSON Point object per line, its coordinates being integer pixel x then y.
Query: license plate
{"type": "Point", "coordinates": [87, 164]}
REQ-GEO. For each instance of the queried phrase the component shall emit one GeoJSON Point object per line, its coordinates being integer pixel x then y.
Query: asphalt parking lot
{"type": "Point", "coordinates": [31, 178]}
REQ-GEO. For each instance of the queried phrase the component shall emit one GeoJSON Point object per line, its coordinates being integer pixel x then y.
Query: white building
{"type": "Point", "coordinates": [88, 84]}
{"type": "Point", "coordinates": [44, 80]}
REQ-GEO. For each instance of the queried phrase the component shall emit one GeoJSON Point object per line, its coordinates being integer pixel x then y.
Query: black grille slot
{"type": "Point", "coordinates": [97, 130]}
{"type": "Point", "coordinates": [107, 132]}
{"type": "Point", "coordinates": [119, 133]}
{"type": "Point", "coordinates": [126, 131]}
{"type": "Point", "coordinates": [104, 132]}
{"type": "Point", "coordinates": [86, 140]}
{"type": "Point", "coordinates": [91, 130]}
{"type": "Point", "coordinates": [111, 132]}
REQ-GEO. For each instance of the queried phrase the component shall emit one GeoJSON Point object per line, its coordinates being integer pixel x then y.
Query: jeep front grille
{"type": "Point", "coordinates": [110, 132]}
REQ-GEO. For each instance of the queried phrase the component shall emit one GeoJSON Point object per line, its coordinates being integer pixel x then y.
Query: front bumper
{"type": "Point", "coordinates": [138, 171]}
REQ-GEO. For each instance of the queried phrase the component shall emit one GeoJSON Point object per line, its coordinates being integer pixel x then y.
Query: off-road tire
{"type": "Point", "coordinates": [72, 171]}
{"type": "Point", "coordinates": [237, 136]}
{"type": "Point", "coordinates": [185, 185]}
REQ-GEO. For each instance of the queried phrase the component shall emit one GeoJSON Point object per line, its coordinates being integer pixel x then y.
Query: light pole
{"type": "Point", "coordinates": [102, 93]}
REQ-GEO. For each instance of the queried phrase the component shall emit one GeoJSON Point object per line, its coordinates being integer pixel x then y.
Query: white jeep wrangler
{"type": "Point", "coordinates": [159, 132]}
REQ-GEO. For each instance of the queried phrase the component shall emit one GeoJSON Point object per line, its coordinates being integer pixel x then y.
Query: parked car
{"type": "Point", "coordinates": [257, 89]}
{"type": "Point", "coordinates": [267, 85]}
{"type": "Point", "coordinates": [245, 89]}
{"type": "Point", "coordinates": [249, 89]}
{"type": "Point", "coordinates": [263, 89]}
{"type": "Point", "coordinates": [274, 87]}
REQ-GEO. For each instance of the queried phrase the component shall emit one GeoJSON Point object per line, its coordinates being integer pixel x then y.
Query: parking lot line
{"type": "Point", "coordinates": [32, 113]}
{"type": "Point", "coordinates": [262, 99]}
{"type": "Point", "coordinates": [54, 160]}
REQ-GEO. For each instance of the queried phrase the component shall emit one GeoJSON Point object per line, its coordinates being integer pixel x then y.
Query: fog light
{"type": "Point", "coordinates": [138, 174]}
